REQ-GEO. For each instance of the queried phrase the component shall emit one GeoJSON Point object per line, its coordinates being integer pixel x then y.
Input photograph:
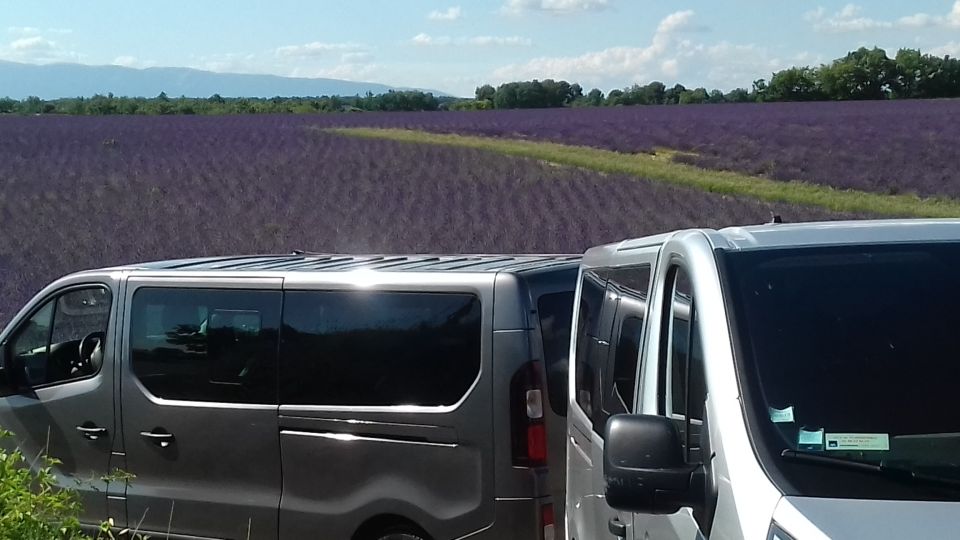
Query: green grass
{"type": "Point", "coordinates": [660, 168]}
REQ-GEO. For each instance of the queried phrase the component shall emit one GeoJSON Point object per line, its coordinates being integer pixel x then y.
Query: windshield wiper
{"type": "Point", "coordinates": [892, 472]}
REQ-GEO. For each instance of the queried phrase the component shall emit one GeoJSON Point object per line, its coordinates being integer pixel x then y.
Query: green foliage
{"type": "Point", "coordinates": [32, 507]}
{"type": "Point", "coordinates": [533, 94]}
{"type": "Point", "coordinates": [794, 84]}
{"type": "Point", "coordinates": [217, 104]}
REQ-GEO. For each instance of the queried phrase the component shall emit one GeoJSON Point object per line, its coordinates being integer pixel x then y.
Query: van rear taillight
{"type": "Point", "coordinates": [547, 522]}
{"type": "Point", "coordinates": [528, 431]}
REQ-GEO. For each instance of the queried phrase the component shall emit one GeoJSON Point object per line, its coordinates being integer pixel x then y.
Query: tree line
{"type": "Point", "coordinates": [216, 104]}
{"type": "Point", "coordinates": [864, 74]}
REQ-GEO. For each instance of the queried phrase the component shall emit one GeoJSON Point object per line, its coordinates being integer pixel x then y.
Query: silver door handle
{"type": "Point", "coordinates": [162, 440]}
{"type": "Point", "coordinates": [92, 432]}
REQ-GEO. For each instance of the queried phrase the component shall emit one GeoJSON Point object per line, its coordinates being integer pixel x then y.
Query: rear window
{"type": "Point", "coordinates": [379, 348]}
{"type": "Point", "coordinates": [556, 316]}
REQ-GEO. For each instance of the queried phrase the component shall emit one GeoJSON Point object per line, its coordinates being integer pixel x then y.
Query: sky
{"type": "Point", "coordinates": [454, 46]}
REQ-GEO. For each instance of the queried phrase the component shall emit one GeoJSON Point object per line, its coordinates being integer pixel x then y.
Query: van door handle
{"type": "Point", "coordinates": [91, 431]}
{"type": "Point", "coordinates": [617, 527]}
{"type": "Point", "coordinates": [158, 437]}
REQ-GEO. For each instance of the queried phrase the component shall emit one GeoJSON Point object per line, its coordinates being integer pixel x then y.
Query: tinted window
{"type": "Point", "coordinates": [852, 352]}
{"type": "Point", "coordinates": [65, 339]}
{"type": "Point", "coordinates": [625, 364]}
{"type": "Point", "coordinates": [591, 301]}
{"type": "Point", "coordinates": [205, 344]}
{"type": "Point", "coordinates": [379, 348]}
{"type": "Point", "coordinates": [631, 284]}
{"type": "Point", "coordinates": [556, 313]}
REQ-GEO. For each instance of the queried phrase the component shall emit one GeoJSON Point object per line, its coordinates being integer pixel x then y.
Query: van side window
{"type": "Point", "coordinates": [631, 284]}
{"type": "Point", "coordinates": [206, 344]}
{"type": "Point", "coordinates": [555, 312]}
{"type": "Point", "coordinates": [65, 339]}
{"type": "Point", "coordinates": [682, 363]}
{"type": "Point", "coordinates": [366, 348]}
{"type": "Point", "coordinates": [593, 343]}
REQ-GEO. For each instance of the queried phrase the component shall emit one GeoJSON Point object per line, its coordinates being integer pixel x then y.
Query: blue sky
{"type": "Point", "coordinates": [456, 45]}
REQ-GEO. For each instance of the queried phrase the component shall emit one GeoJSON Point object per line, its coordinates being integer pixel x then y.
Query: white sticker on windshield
{"type": "Point", "coordinates": [857, 441]}
{"type": "Point", "coordinates": [781, 416]}
{"type": "Point", "coordinates": [810, 438]}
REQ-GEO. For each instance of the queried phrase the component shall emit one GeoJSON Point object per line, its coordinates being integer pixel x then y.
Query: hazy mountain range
{"type": "Point", "coordinates": [53, 81]}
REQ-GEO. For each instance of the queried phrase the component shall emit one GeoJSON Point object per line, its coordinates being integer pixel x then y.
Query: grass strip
{"type": "Point", "coordinates": [657, 168]}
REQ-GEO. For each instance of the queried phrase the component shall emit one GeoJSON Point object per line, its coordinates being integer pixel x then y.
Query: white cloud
{"type": "Point", "coordinates": [851, 19]}
{"type": "Point", "coordinates": [449, 14]}
{"type": "Point", "coordinates": [316, 48]}
{"type": "Point", "coordinates": [125, 61]}
{"type": "Point", "coordinates": [554, 6]}
{"type": "Point", "coordinates": [349, 71]}
{"type": "Point", "coordinates": [669, 57]}
{"type": "Point", "coordinates": [132, 62]}
{"type": "Point", "coordinates": [23, 30]}
{"type": "Point", "coordinates": [33, 30]}
{"type": "Point", "coordinates": [34, 43]}
{"type": "Point", "coordinates": [359, 57]}
{"type": "Point", "coordinates": [952, 49]}
{"type": "Point", "coordinates": [37, 49]}
{"type": "Point", "coordinates": [426, 40]}
{"type": "Point", "coordinates": [508, 41]}
{"type": "Point", "coordinates": [848, 19]}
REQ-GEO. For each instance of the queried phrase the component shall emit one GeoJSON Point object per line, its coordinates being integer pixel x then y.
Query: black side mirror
{"type": "Point", "coordinates": [644, 466]}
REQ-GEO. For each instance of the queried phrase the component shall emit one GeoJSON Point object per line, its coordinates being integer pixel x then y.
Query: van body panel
{"type": "Point", "coordinates": [44, 420]}
{"type": "Point", "coordinates": [855, 518]}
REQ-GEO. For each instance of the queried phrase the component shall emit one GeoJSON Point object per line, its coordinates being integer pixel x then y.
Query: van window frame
{"type": "Point", "coordinates": [36, 307]}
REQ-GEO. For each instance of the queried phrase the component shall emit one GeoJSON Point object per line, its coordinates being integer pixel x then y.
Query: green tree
{"type": "Point", "coordinates": [595, 97]}
{"type": "Point", "coordinates": [794, 84]}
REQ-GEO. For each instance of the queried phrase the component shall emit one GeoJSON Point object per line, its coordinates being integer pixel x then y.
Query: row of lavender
{"type": "Point", "coordinates": [885, 147]}
{"type": "Point", "coordinates": [87, 192]}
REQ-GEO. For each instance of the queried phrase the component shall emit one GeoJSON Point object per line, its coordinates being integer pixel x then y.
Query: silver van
{"type": "Point", "coordinates": [769, 382]}
{"type": "Point", "coordinates": [303, 396]}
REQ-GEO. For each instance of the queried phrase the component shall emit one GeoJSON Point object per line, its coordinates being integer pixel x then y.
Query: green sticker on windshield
{"type": "Point", "coordinates": [857, 441]}
{"type": "Point", "coordinates": [781, 416]}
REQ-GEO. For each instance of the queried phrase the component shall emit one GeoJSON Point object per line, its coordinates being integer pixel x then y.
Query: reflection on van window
{"type": "Point", "coordinates": [379, 348]}
{"type": "Point", "coordinates": [65, 339]}
{"type": "Point", "coordinates": [556, 314]}
{"type": "Point", "coordinates": [206, 345]}
{"type": "Point", "coordinates": [853, 352]}
{"type": "Point", "coordinates": [588, 326]}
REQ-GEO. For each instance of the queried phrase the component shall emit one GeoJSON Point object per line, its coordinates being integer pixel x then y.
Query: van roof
{"type": "Point", "coordinates": [779, 235]}
{"type": "Point", "coordinates": [323, 262]}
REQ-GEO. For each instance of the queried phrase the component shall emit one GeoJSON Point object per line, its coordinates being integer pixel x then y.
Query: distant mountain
{"type": "Point", "coordinates": [53, 81]}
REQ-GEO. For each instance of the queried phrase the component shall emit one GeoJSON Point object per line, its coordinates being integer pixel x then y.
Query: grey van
{"type": "Point", "coordinates": [303, 395]}
{"type": "Point", "coordinates": [769, 382]}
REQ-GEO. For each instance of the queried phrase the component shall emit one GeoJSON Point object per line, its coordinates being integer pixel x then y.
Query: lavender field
{"type": "Point", "coordinates": [880, 146]}
{"type": "Point", "coordinates": [80, 192]}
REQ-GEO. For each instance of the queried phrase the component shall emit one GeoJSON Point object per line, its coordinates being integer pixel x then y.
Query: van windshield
{"type": "Point", "coordinates": [851, 353]}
